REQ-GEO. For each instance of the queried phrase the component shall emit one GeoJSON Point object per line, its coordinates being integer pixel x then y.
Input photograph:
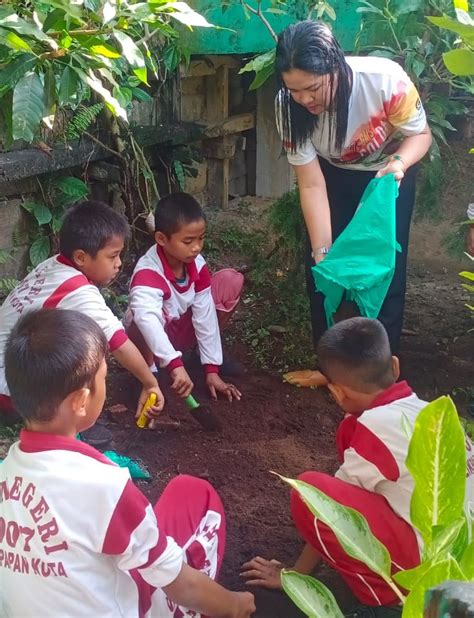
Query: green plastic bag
{"type": "Point", "coordinates": [361, 263]}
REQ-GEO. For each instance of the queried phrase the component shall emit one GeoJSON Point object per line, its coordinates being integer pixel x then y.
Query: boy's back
{"type": "Point", "coordinates": [56, 283]}
{"type": "Point", "coordinates": [75, 525]}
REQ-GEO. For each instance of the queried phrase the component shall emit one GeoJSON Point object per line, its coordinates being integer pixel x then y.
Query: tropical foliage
{"type": "Point", "coordinates": [437, 463]}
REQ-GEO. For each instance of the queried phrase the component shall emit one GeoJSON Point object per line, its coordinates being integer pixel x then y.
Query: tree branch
{"type": "Point", "coordinates": [258, 12]}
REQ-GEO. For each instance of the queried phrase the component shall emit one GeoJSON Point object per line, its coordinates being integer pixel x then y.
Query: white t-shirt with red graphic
{"type": "Point", "coordinates": [56, 283]}
{"type": "Point", "coordinates": [158, 302]}
{"type": "Point", "coordinates": [373, 448]}
{"type": "Point", "coordinates": [74, 534]}
{"type": "Point", "coordinates": [384, 106]}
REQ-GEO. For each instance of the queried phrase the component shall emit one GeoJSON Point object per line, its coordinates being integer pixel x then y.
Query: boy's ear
{"type": "Point", "coordinates": [78, 400]}
{"type": "Point", "coordinates": [79, 257]}
{"type": "Point", "coordinates": [160, 238]}
{"type": "Point", "coordinates": [396, 367]}
{"type": "Point", "coordinates": [338, 392]}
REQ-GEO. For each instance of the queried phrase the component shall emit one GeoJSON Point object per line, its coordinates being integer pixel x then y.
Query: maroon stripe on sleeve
{"type": "Point", "coordinates": [117, 339]}
{"type": "Point", "coordinates": [372, 449]}
{"type": "Point", "coordinates": [68, 286]}
{"type": "Point", "coordinates": [204, 280]}
{"type": "Point", "coordinates": [150, 279]}
{"type": "Point", "coordinates": [129, 512]}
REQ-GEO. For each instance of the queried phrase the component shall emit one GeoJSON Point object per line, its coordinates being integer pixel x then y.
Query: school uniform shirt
{"type": "Point", "coordinates": [160, 305]}
{"type": "Point", "coordinates": [76, 534]}
{"type": "Point", "coordinates": [373, 448]}
{"type": "Point", "coordinates": [56, 283]}
{"type": "Point", "coordinates": [384, 106]}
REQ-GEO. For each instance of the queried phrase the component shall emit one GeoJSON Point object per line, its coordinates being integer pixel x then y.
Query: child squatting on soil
{"type": "Point", "coordinates": [90, 241]}
{"type": "Point", "coordinates": [81, 538]}
{"type": "Point", "coordinates": [372, 445]}
{"type": "Point", "coordinates": [174, 301]}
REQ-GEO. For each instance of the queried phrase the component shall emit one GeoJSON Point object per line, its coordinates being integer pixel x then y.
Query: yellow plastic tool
{"type": "Point", "coordinates": [142, 420]}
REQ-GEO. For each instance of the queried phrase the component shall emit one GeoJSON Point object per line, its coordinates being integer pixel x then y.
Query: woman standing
{"type": "Point", "coordinates": [343, 121]}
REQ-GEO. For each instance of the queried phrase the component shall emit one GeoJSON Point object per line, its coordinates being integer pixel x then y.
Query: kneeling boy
{"type": "Point", "coordinates": [373, 479]}
{"type": "Point", "coordinates": [81, 539]}
{"type": "Point", "coordinates": [173, 298]}
{"type": "Point", "coordinates": [91, 240]}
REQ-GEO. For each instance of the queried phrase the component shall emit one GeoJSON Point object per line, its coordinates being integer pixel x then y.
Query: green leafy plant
{"type": "Point", "coordinates": [437, 462]}
{"type": "Point", "coordinates": [61, 53]}
{"type": "Point", "coordinates": [46, 215]}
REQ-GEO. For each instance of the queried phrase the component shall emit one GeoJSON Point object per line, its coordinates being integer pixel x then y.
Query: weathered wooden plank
{"type": "Point", "coordinates": [233, 124]}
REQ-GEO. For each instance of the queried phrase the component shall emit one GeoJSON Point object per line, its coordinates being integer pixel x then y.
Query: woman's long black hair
{"type": "Point", "coordinates": [311, 47]}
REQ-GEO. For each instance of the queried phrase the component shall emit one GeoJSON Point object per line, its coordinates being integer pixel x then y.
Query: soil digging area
{"type": "Point", "coordinates": [289, 430]}
{"type": "Point", "coordinates": [281, 428]}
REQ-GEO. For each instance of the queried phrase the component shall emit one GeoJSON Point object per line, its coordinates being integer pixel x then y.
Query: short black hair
{"type": "Point", "coordinates": [175, 210]}
{"type": "Point", "coordinates": [49, 354]}
{"type": "Point", "coordinates": [89, 226]}
{"type": "Point", "coordinates": [356, 353]}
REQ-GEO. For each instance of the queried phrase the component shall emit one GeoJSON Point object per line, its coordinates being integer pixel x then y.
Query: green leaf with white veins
{"type": "Point", "coordinates": [133, 55]}
{"type": "Point", "coordinates": [437, 462]}
{"type": "Point", "coordinates": [28, 107]}
{"type": "Point", "coordinates": [349, 526]}
{"type": "Point", "coordinates": [310, 595]}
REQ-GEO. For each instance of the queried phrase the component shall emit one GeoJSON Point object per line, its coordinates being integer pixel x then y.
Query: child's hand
{"type": "Point", "coordinates": [182, 384]}
{"type": "Point", "coordinates": [154, 411]}
{"type": "Point", "coordinates": [261, 572]}
{"type": "Point", "coordinates": [244, 605]}
{"type": "Point", "coordinates": [216, 385]}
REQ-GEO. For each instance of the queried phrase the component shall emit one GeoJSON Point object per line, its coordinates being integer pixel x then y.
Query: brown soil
{"type": "Point", "coordinates": [289, 430]}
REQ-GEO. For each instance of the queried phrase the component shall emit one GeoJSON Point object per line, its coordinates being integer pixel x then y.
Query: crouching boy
{"type": "Point", "coordinates": [373, 479]}
{"type": "Point", "coordinates": [174, 301]}
{"type": "Point", "coordinates": [81, 539]}
{"type": "Point", "coordinates": [91, 240]}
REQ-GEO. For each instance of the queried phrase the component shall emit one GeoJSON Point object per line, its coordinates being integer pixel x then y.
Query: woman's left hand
{"type": "Point", "coordinates": [394, 166]}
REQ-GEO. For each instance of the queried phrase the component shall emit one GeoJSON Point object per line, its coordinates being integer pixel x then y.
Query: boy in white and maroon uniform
{"type": "Point", "coordinates": [79, 538]}
{"type": "Point", "coordinates": [373, 479]}
{"type": "Point", "coordinates": [91, 239]}
{"type": "Point", "coordinates": [174, 302]}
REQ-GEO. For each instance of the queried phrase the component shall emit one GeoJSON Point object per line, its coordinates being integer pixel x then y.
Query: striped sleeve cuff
{"type": "Point", "coordinates": [117, 339]}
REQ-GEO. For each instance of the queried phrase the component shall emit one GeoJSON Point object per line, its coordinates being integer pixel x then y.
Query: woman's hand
{"type": "Point", "coordinates": [394, 166]}
{"type": "Point", "coordinates": [261, 572]}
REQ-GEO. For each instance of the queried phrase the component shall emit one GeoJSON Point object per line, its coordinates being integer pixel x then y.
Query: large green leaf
{"type": "Point", "coordinates": [133, 55]}
{"type": "Point", "coordinates": [444, 540]}
{"type": "Point", "coordinates": [465, 31]}
{"type": "Point", "coordinates": [96, 84]}
{"type": "Point", "coordinates": [467, 562]}
{"type": "Point", "coordinates": [73, 189]}
{"type": "Point", "coordinates": [12, 40]}
{"type": "Point", "coordinates": [310, 595]}
{"type": "Point", "coordinates": [349, 526]}
{"type": "Point", "coordinates": [68, 86]}
{"type": "Point", "coordinates": [187, 16]}
{"type": "Point", "coordinates": [14, 22]}
{"type": "Point", "coordinates": [28, 105]}
{"type": "Point", "coordinates": [459, 61]}
{"type": "Point", "coordinates": [39, 210]}
{"type": "Point", "coordinates": [10, 74]}
{"type": "Point", "coordinates": [50, 98]}
{"type": "Point", "coordinates": [437, 462]}
{"type": "Point", "coordinates": [437, 574]}
{"type": "Point", "coordinates": [39, 250]}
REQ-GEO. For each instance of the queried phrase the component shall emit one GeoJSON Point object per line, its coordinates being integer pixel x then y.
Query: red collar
{"type": "Point", "coordinates": [399, 390]}
{"type": "Point", "coordinates": [37, 442]}
{"type": "Point", "coordinates": [62, 259]}
{"type": "Point", "coordinates": [191, 270]}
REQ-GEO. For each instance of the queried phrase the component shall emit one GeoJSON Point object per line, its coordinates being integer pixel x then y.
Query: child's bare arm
{"type": "Point", "coordinates": [129, 357]}
{"type": "Point", "coordinates": [195, 590]}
